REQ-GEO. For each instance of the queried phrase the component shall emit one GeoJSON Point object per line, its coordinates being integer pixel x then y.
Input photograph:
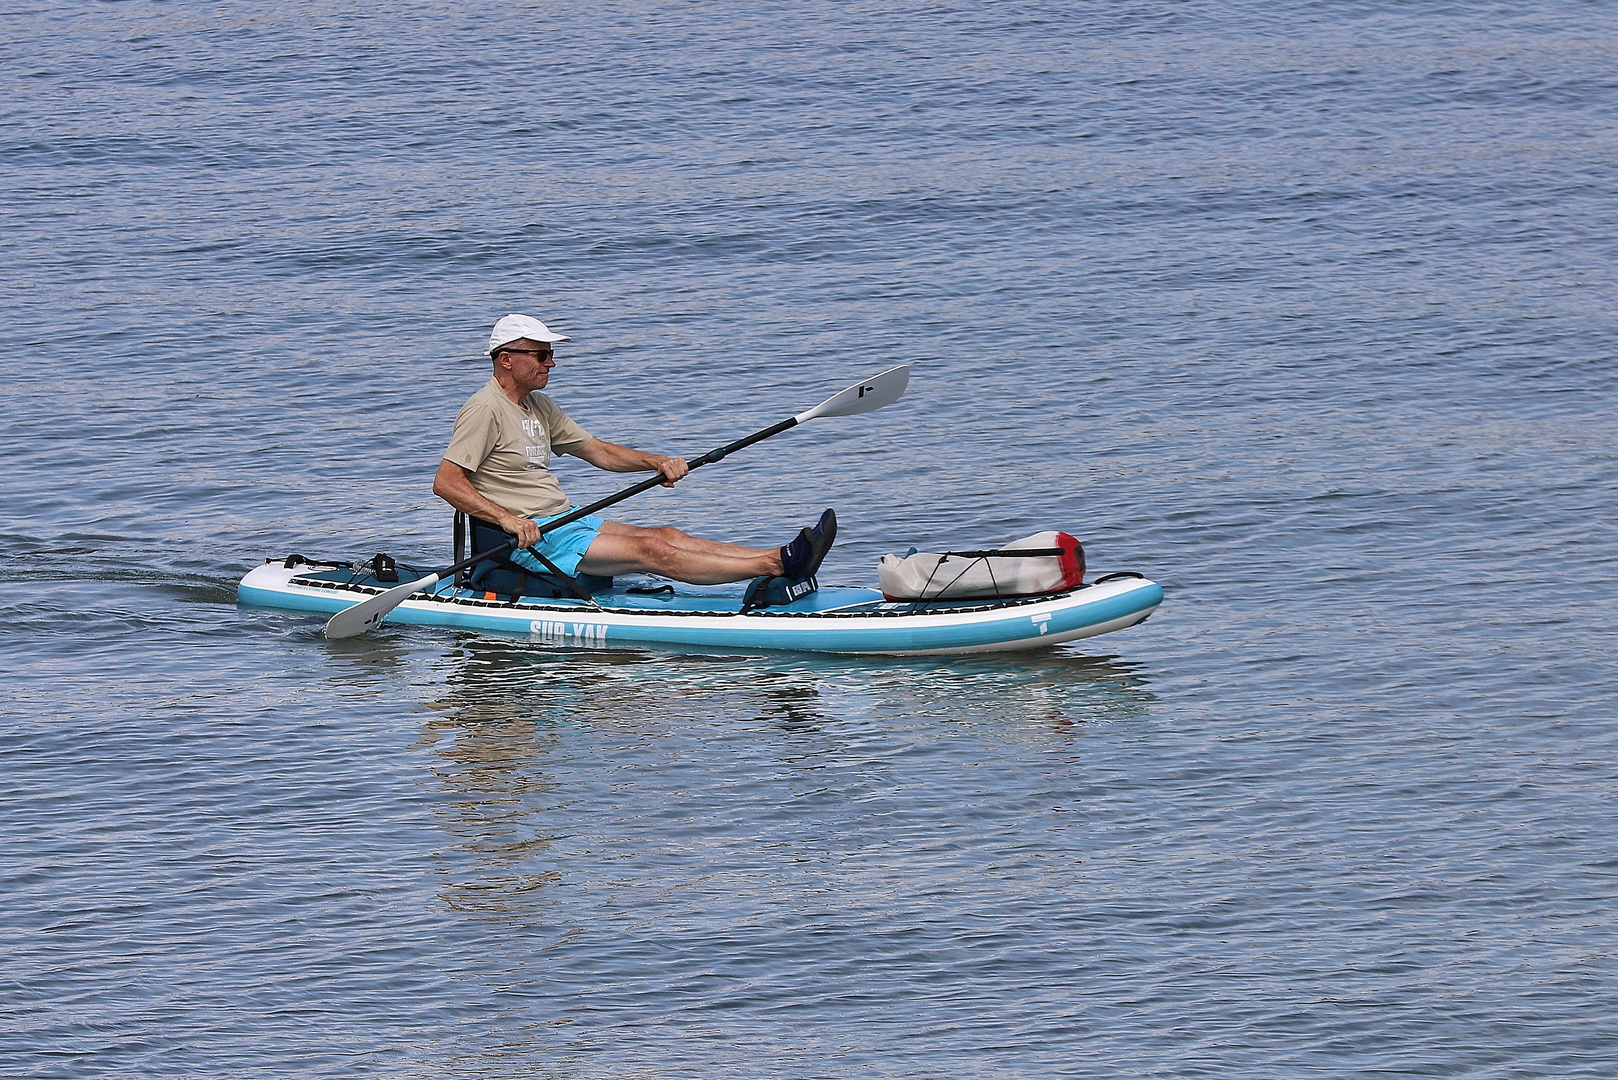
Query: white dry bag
{"type": "Point", "coordinates": [1047, 562]}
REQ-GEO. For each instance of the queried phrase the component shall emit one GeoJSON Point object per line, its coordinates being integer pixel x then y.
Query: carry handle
{"type": "Point", "coordinates": [1006, 553]}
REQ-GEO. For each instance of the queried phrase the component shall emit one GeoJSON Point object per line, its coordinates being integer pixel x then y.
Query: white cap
{"type": "Point", "coordinates": [512, 327]}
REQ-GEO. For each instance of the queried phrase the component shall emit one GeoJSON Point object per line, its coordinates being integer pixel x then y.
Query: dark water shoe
{"type": "Point", "coordinates": [802, 558]}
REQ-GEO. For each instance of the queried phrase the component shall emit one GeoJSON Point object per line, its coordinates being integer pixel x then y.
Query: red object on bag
{"type": "Point", "coordinates": [1072, 560]}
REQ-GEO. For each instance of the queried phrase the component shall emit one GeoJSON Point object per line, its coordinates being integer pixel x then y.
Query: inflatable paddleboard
{"type": "Point", "coordinates": [641, 613]}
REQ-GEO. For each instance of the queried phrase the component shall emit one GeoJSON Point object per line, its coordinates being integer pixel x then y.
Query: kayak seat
{"type": "Point", "coordinates": [516, 583]}
{"type": "Point", "coordinates": [505, 578]}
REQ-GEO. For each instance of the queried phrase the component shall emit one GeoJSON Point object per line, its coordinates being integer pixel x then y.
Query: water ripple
{"type": "Point", "coordinates": [1304, 312]}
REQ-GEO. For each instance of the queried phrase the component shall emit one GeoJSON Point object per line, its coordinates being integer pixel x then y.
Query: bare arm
{"type": "Point", "coordinates": [615, 458]}
{"type": "Point", "coordinates": [453, 484]}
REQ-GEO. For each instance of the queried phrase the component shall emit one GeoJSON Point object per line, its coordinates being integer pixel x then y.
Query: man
{"type": "Point", "coordinates": [496, 468]}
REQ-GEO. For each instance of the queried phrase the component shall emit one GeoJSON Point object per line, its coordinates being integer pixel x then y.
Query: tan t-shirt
{"type": "Point", "coordinates": [508, 449]}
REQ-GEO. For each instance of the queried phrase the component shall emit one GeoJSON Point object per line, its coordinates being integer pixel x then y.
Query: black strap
{"type": "Point", "coordinates": [506, 562]}
{"type": "Point", "coordinates": [973, 556]}
{"type": "Point", "coordinates": [460, 528]}
{"type": "Point", "coordinates": [571, 582]}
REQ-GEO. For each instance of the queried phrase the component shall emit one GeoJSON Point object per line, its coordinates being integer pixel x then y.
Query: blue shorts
{"type": "Point", "coordinates": [564, 546]}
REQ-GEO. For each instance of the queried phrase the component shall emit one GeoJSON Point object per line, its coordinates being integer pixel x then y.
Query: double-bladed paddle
{"type": "Point", "coordinates": [865, 396]}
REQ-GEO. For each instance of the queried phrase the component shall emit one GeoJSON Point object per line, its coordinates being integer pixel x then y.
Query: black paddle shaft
{"type": "Point", "coordinates": [650, 482]}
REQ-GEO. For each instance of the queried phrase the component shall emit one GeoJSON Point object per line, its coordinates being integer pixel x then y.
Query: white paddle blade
{"type": "Point", "coordinates": [354, 621]}
{"type": "Point", "coordinates": [863, 397]}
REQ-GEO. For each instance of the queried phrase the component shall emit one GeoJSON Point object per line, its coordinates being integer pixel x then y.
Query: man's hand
{"type": "Point", "coordinates": [524, 529]}
{"type": "Point", "coordinates": [672, 468]}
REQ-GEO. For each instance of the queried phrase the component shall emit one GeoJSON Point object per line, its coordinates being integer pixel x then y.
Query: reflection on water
{"type": "Point", "coordinates": [790, 703]}
{"type": "Point", "coordinates": [500, 800]}
{"type": "Point", "coordinates": [622, 829]}
{"type": "Point", "coordinates": [359, 660]}
{"type": "Point", "coordinates": [536, 746]}
{"type": "Point", "coordinates": [488, 679]}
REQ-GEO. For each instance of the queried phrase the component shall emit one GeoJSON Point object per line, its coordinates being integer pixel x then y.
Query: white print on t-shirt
{"type": "Point", "coordinates": [538, 456]}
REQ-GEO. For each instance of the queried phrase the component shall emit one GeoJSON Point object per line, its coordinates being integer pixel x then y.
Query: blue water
{"type": "Point", "coordinates": [1305, 310]}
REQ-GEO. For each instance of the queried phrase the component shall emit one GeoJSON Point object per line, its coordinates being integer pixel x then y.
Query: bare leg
{"type": "Point", "coordinates": [625, 549]}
